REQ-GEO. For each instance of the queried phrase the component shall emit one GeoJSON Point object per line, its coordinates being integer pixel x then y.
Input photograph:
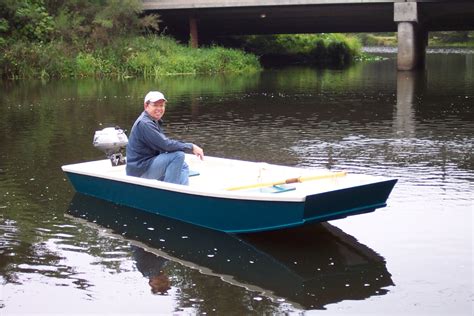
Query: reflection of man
{"type": "Point", "coordinates": [151, 266]}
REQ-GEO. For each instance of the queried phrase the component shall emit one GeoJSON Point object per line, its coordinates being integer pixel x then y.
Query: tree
{"type": "Point", "coordinates": [95, 22]}
{"type": "Point", "coordinates": [26, 20]}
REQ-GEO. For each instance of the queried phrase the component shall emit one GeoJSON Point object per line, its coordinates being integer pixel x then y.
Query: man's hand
{"type": "Point", "coordinates": [198, 152]}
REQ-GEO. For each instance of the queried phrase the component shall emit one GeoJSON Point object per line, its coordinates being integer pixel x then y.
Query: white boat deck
{"type": "Point", "coordinates": [216, 175]}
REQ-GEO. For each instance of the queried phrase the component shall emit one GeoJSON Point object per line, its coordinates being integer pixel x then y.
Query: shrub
{"type": "Point", "coordinates": [308, 48]}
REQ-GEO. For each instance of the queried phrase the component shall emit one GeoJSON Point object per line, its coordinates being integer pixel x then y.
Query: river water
{"type": "Point", "coordinates": [63, 253]}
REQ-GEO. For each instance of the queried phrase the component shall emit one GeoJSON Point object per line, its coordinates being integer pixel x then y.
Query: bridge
{"type": "Point", "coordinates": [411, 19]}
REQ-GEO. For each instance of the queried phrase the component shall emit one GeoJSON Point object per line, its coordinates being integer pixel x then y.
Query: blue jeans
{"type": "Point", "coordinates": [169, 167]}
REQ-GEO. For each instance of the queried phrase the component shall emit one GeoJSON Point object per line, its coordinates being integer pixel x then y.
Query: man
{"type": "Point", "coordinates": [152, 155]}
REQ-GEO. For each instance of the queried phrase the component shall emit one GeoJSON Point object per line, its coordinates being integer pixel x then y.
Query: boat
{"type": "Point", "coordinates": [309, 266]}
{"type": "Point", "coordinates": [235, 196]}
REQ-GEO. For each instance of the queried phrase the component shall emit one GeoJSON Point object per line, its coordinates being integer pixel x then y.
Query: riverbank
{"type": "Point", "coordinates": [326, 50]}
{"type": "Point", "coordinates": [100, 39]}
{"type": "Point", "coordinates": [143, 56]}
{"type": "Point", "coordinates": [436, 39]}
{"type": "Point", "coordinates": [154, 56]}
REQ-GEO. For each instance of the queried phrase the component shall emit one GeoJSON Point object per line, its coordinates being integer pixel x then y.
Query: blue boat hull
{"type": "Point", "coordinates": [237, 215]}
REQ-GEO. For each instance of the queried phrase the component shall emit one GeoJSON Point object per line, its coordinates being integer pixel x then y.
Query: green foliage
{"type": "Point", "coordinates": [378, 39]}
{"type": "Point", "coordinates": [454, 39]}
{"type": "Point", "coordinates": [142, 56]}
{"type": "Point", "coordinates": [341, 49]}
{"type": "Point", "coordinates": [92, 22]}
{"type": "Point", "coordinates": [449, 38]}
{"type": "Point", "coordinates": [117, 17]}
{"type": "Point", "coordinates": [62, 38]}
{"type": "Point", "coordinates": [37, 24]}
{"type": "Point", "coordinates": [3, 29]}
{"type": "Point", "coordinates": [157, 56]}
{"type": "Point", "coordinates": [284, 44]}
{"type": "Point", "coordinates": [26, 20]}
{"type": "Point", "coordinates": [150, 23]}
{"type": "Point", "coordinates": [103, 38]}
{"type": "Point", "coordinates": [23, 60]}
{"type": "Point", "coordinates": [88, 65]}
{"type": "Point", "coordinates": [336, 49]}
{"type": "Point", "coordinates": [69, 27]}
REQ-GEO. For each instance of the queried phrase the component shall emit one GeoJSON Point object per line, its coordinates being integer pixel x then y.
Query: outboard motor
{"type": "Point", "coordinates": [112, 141]}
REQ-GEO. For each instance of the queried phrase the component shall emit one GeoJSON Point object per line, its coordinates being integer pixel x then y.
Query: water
{"type": "Point", "coordinates": [65, 253]}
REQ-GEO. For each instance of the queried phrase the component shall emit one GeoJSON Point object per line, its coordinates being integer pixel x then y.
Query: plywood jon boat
{"type": "Point", "coordinates": [237, 196]}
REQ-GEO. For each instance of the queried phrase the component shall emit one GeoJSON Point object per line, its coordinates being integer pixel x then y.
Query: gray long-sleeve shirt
{"type": "Point", "coordinates": [147, 140]}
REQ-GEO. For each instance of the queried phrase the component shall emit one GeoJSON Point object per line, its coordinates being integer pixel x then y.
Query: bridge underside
{"type": "Point", "coordinates": [376, 17]}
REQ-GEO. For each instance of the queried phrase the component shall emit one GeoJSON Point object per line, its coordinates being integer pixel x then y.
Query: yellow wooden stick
{"type": "Point", "coordinates": [290, 180]}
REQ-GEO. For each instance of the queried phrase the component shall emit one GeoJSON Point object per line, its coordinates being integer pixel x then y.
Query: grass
{"type": "Point", "coordinates": [144, 56]}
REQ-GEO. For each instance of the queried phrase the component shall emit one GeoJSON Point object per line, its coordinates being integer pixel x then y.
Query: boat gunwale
{"type": "Point", "coordinates": [160, 185]}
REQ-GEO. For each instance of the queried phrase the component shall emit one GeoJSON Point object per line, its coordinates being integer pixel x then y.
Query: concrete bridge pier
{"type": "Point", "coordinates": [412, 37]}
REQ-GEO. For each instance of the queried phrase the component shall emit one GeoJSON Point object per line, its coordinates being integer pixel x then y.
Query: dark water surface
{"type": "Point", "coordinates": [63, 253]}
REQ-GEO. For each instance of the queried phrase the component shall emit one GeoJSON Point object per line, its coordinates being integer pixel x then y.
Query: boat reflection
{"type": "Point", "coordinates": [310, 266]}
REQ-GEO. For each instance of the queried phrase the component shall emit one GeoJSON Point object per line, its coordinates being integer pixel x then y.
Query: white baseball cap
{"type": "Point", "coordinates": [154, 96]}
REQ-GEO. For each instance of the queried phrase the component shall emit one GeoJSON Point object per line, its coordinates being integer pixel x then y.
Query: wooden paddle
{"type": "Point", "coordinates": [290, 180]}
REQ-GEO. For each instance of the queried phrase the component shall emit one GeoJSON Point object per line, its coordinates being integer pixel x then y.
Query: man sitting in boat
{"type": "Point", "coordinates": [152, 155]}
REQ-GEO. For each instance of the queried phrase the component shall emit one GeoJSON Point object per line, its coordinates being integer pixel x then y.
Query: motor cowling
{"type": "Point", "coordinates": [112, 141]}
